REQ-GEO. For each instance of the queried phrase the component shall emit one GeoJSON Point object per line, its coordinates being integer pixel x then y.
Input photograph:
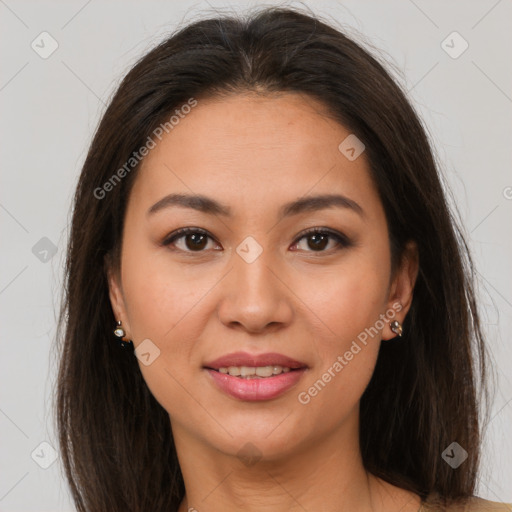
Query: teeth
{"type": "Point", "coordinates": [246, 371]}
{"type": "Point", "coordinates": [249, 372]}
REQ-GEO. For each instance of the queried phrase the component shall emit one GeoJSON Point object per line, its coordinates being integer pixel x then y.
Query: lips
{"type": "Point", "coordinates": [256, 388]}
{"type": "Point", "coordinates": [245, 359]}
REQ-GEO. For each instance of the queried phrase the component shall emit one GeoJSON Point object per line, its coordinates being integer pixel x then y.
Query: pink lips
{"type": "Point", "coordinates": [255, 389]}
{"type": "Point", "coordinates": [245, 359]}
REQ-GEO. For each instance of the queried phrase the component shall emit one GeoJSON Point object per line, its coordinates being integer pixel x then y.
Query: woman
{"type": "Point", "coordinates": [260, 224]}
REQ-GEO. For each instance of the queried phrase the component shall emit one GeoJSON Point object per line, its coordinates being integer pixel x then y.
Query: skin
{"type": "Point", "coordinates": [254, 153]}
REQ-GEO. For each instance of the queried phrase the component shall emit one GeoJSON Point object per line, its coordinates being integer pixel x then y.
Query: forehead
{"type": "Point", "coordinates": [270, 126]}
{"type": "Point", "coordinates": [249, 149]}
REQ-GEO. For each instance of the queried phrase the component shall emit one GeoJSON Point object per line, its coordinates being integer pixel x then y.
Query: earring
{"type": "Point", "coordinates": [396, 327]}
{"type": "Point", "coordinates": [120, 334]}
{"type": "Point", "coordinates": [119, 331]}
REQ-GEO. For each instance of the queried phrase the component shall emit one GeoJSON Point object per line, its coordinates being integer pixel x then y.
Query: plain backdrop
{"type": "Point", "coordinates": [51, 106]}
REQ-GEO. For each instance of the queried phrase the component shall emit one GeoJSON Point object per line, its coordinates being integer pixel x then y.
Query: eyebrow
{"type": "Point", "coordinates": [210, 206]}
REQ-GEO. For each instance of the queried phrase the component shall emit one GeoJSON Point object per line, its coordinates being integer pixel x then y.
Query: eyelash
{"type": "Point", "coordinates": [342, 240]}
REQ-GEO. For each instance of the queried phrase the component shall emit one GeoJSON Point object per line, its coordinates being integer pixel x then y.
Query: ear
{"type": "Point", "coordinates": [402, 287]}
{"type": "Point", "coordinates": [116, 296]}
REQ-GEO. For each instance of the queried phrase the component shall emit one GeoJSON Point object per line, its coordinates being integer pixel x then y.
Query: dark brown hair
{"type": "Point", "coordinates": [115, 438]}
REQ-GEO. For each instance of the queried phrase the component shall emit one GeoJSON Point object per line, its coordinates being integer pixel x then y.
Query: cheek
{"type": "Point", "coordinates": [348, 299]}
{"type": "Point", "coordinates": [170, 305]}
{"type": "Point", "coordinates": [159, 295]}
{"type": "Point", "coordinates": [163, 304]}
{"type": "Point", "coordinates": [345, 310]}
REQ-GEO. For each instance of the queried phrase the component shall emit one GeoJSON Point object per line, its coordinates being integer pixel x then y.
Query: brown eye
{"type": "Point", "coordinates": [318, 240]}
{"type": "Point", "coordinates": [188, 240]}
{"type": "Point", "coordinates": [196, 241]}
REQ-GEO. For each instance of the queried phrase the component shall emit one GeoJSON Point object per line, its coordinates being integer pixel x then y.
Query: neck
{"type": "Point", "coordinates": [326, 475]}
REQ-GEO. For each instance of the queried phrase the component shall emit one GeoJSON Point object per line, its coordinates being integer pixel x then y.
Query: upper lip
{"type": "Point", "coordinates": [253, 360]}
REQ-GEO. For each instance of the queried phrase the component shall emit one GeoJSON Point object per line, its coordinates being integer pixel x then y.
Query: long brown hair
{"type": "Point", "coordinates": [115, 438]}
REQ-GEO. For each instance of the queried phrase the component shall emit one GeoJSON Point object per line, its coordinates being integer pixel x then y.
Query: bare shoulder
{"type": "Point", "coordinates": [476, 504]}
{"type": "Point", "coordinates": [473, 504]}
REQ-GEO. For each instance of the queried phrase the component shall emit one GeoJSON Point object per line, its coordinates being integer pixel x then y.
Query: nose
{"type": "Point", "coordinates": [255, 297]}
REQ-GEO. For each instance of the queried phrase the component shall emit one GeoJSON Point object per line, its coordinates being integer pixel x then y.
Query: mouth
{"type": "Point", "coordinates": [255, 377]}
{"type": "Point", "coordinates": [252, 372]}
{"type": "Point", "coordinates": [264, 365]}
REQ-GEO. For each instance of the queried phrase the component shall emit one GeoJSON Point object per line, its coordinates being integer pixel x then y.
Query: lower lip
{"type": "Point", "coordinates": [256, 389]}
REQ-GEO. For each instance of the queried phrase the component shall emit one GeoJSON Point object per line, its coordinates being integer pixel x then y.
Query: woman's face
{"type": "Point", "coordinates": [252, 281]}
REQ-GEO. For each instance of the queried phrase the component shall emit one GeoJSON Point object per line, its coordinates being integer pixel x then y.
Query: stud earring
{"type": "Point", "coordinates": [396, 327]}
{"type": "Point", "coordinates": [120, 334]}
{"type": "Point", "coordinates": [119, 331]}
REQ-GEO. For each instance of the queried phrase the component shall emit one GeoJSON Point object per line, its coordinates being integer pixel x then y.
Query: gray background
{"type": "Point", "coordinates": [51, 106]}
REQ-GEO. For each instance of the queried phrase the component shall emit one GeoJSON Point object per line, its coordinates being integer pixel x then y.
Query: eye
{"type": "Point", "coordinates": [319, 238]}
{"type": "Point", "coordinates": [194, 239]}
